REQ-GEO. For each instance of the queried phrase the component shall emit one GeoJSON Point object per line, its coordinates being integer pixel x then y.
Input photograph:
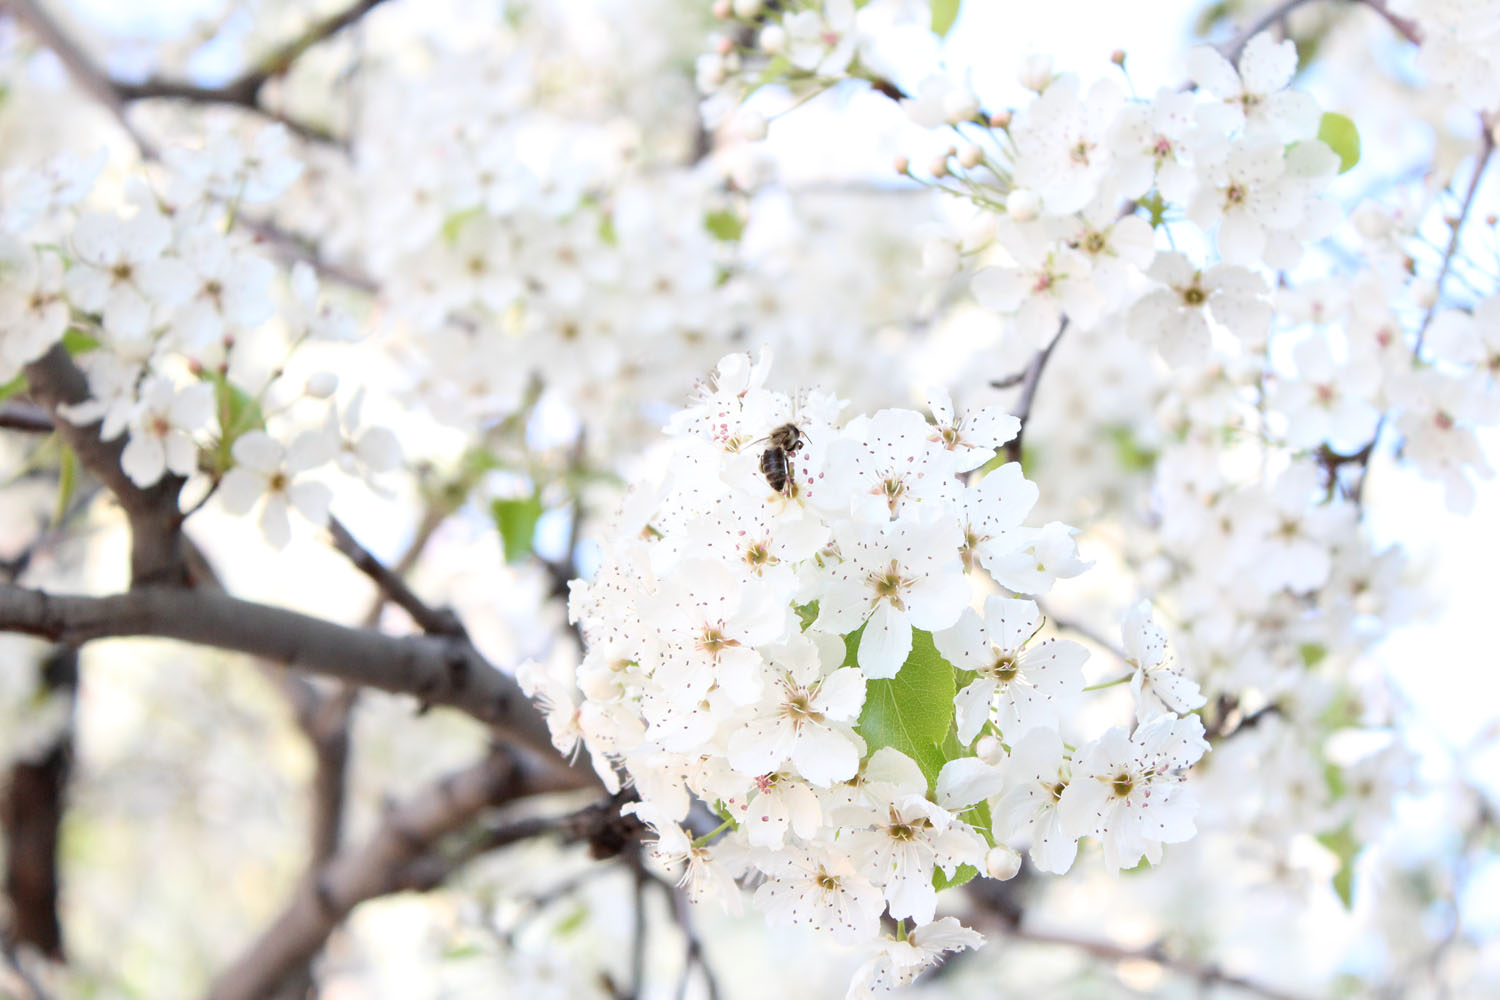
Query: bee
{"type": "Point", "coordinates": [775, 461]}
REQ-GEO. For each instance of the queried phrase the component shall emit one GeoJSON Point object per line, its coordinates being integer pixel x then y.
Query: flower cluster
{"type": "Point", "coordinates": [783, 629]}
{"type": "Point", "coordinates": [182, 326]}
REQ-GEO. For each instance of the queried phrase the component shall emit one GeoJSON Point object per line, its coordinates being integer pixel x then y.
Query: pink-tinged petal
{"type": "Point", "coordinates": [824, 756]}
{"type": "Point", "coordinates": [886, 642]}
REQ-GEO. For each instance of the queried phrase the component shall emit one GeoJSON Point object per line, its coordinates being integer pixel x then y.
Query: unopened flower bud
{"type": "Point", "coordinates": [1036, 72]}
{"type": "Point", "coordinates": [1002, 862]}
{"type": "Point", "coordinates": [724, 46]}
{"type": "Point", "coordinates": [1000, 119]}
{"type": "Point", "coordinates": [773, 39]}
{"type": "Point", "coordinates": [722, 9]}
{"type": "Point", "coordinates": [1023, 204]}
{"type": "Point", "coordinates": [970, 156]}
{"type": "Point", "coordinates": [989, 749]}
{"type": "Point", "coordinates": [752, 125]}
{"type": "Point", "coordinates": [939, 166]}
{"type": "Point", "coordinates": [1117, 57]}
{"type": "Point", "coordinates": [747, 8]}
{"type": "Point", "coordinates": [902, 165]}
{"type": "Point", "coordinates": [321, 385]}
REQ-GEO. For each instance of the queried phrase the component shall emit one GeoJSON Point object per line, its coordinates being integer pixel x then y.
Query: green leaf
{"type": "Point", "coordinates": [1312, 653]}
{"type": "Point", "coordinates": [964, 874]}
{"type": "Point", "coordinates": [944, 13]}
{"type": "Point", "coordinates": [913, 711]}
{"type": "Point", "coordinates": [516, 520]}
{"type": "Point", "coordinates": [76, 341]}
{"type": "Point", "coordinates": [1342, 137]}
{"type": "Point", "coordinates": [724, 225]}
{"type": "Point", "coordinates": [1133, 457]}
{"type": "Point", "coordinates": [1156, 205]}
{"type": "Point", "coordinates": [607, 231]}
{"type": "Point", "coordinates": [454, 223]}
{"type": "Point", "coordinates": [1342, 843]}
{"type": "Point", "coordinates": [14, 387]}
{"type": "Point", "coordinates": [67, 481]}
{"type": "Point", "coordinates": [239, 413]}
{"type": "Point", "coordinates": [808, 613]}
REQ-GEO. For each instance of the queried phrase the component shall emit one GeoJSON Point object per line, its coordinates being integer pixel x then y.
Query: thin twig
{"type": "Point", "coordinates": [692, 943]}
{"type": "Point", "coordinates": [1406, 28]}
{"type": "Point", "coordinates": [1033, 378]}
{"type": "Point", "coordinates": [1208, 975]}
{"type": "Point", "coordinates": [1231, 49]}
{"type": "Point", "coordinates": [1486, 149]}
{"type": "Point", "coordinates": [434, 621]}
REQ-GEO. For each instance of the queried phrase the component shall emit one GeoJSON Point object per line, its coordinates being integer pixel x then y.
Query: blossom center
{"type": "Point", "coordinates": [889, 585]}
{"type": "Point", "coordinates": [1123, 784]}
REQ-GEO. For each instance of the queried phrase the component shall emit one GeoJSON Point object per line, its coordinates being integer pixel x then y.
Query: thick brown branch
{"type": "Point", "coordinates": [437, 670]}
{"type": "Point", "coordinates": [17, 415]}
{"type": "Point", "coordinates": [31, 812]}
{"type": "Point", "coordinates": [374, 868]}
{"type": "Point", "coordinates": [157, 554]}
{"type": "Point", "coordinates": [245, 90]}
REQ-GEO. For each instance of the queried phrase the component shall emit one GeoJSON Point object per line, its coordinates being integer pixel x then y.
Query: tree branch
{"type": "Point", "coordinates": [434, 621]}
{"type": "Point", "coordinates": [31, 813]}
{"type": "Point", "coordinates": [1207, 975]}
{"type": "Point", "coordinates": [1033, 378]}
{"type": "Point", "coordinates": [377, 867]}
{"type": "Point", "coordinates": [244, 91]}
{"type": "Point", "coordinates": [438, 670]}
{"type": "Point", "coordinates": [157, 555]}
{"type": "Point", "coordinates": [1231, 49]}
